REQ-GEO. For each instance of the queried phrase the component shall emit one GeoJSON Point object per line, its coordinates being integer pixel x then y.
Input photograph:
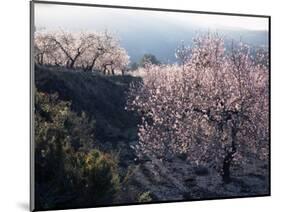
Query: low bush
{"type": "Point", "coordinates": [69, 171]}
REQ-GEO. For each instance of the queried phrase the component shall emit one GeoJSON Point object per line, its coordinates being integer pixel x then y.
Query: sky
{"type": "Point", "coordinates": [145, 31]}
{"type": "Point", "coordinates": [96, 18]}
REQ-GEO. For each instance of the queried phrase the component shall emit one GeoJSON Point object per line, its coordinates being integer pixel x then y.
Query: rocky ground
{"type": "Point", "coordinates": [179, 180]}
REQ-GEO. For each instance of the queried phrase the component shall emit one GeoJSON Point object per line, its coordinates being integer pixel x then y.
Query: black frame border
{"type": "Point", "coordinates": [32, 89]}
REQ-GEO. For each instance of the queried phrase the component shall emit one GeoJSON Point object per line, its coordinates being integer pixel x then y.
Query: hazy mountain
{"type": "Point", "coordinates": [163, 40]}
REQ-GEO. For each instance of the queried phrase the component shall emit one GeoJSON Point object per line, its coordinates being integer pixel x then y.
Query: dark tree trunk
{"type": "Point", "coordinates": [68, 64]}
{"type": "Point", "coordinates": [73, 60]}
{"type": "Point", "coordinates": [112, 72]}
{"type": "Point", "coordinates": [40, 59]}
{"type": "Point", "coordinates": [104, 70]}
{"type": "Point", "coordinates": [226, 168]}
{"type": "Point", "coordinates": [90, 68]}
{"type": "Point", "coordinates": [71, 64]}
{"type": "Point", "coordinates": [229, 157]}
{"type": "Point", "coordinates": [86, 68]}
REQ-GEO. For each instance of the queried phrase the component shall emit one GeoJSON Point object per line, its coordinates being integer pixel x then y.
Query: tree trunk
{"type": "Point", "coordinates": [104, 70]}
{"type": "Point", "coordinates": [226, 168]}
{"type": "Point", "coordinates": [40, 59]}
{"type": "Point", "coordinates": [92, 64]}
{"type": "Point", "coordinates": [71, 65]}
{"type": "Point", "coordinates": [112, 72]}
{"type": "Point", "coordinates": [229, 156]}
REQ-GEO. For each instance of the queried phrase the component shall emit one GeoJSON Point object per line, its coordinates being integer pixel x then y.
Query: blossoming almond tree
{"type": "Point", "coordinates": [115, 59]}
{"type": "Point", "coordinates": [214, 110]}
{"type": "Point", "coordinates": [84, 50]}
{"type": "Point", "coordinates": [44, 47]}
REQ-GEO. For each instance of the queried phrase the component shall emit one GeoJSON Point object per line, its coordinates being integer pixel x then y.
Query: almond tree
{"type": "Point", "coordinates": [87, 51]}
{"type": "Point", "coordinates": [43, 47]}
{"type": "Point", "coordinates": [115, 59]}
{"type": "Point", "coordinates": [71, 46]}
{"type": "Point", "coordinates": [182, 54]}
{"type": "Point", "coordinates": [99, 44]}
{"type": "Point", "coordinates": [214, 109]}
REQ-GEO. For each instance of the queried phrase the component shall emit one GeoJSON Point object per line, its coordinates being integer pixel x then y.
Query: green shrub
{"type": "Point", "coordinates": [69, 171]}
{"type": "Point", "coordinates": [145, 197]}
{"type": "Point", "coordinates": [97, 177]}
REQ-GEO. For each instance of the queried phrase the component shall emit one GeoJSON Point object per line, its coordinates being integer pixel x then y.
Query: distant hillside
{"type": "Point", "coordinates": [162, 42]}
{"type": "Point", "coordinates": [103, 98]}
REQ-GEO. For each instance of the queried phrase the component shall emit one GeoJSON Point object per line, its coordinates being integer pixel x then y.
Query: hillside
{"type": "Point", "coordinates": [102, 98]}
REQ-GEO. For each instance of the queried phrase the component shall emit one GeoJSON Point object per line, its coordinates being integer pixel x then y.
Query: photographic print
{"type": "Point", "coordinates": [141, 105]}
